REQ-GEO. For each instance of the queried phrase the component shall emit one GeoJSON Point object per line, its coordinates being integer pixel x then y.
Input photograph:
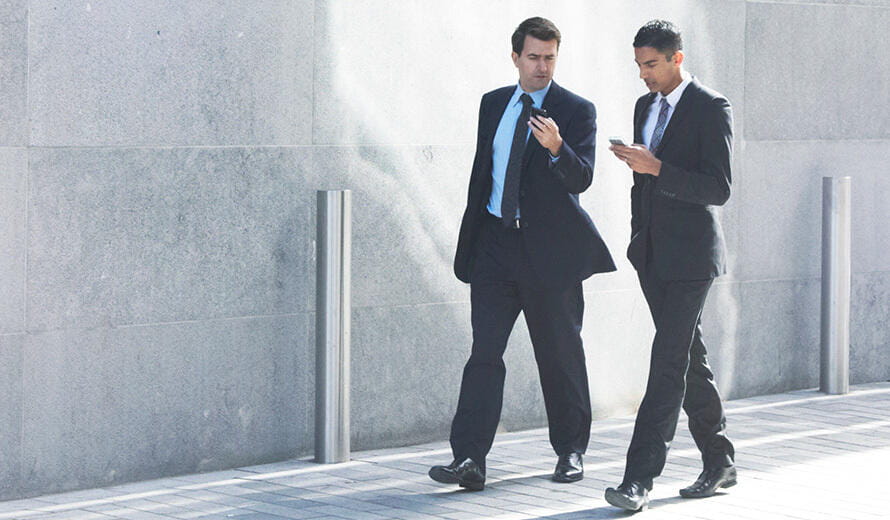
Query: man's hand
{"type": "Point", "coordinates": [547, 133]}
{"type": "Point", "coordinates": [638, 157]}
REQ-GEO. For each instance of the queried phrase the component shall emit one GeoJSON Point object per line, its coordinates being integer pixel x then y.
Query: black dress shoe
{"type": "Point", "coordinates": [569, 468]}
{"type": "Point", "coordinates": [710, 481]}
{"type": "Point", "coordinates": [632, 496]}
{"type": "Point", "coordinates": [465, 473]}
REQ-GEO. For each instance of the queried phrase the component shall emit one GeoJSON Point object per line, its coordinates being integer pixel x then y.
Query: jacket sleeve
{"type": "Point", "coordinates": [710, 184]}
{"type": "Point", "coordinates": [636, 220]}
{"type": "Point", "coordinates": [576, 158]}
{"type": "Point", "coordinates": [466, 238]}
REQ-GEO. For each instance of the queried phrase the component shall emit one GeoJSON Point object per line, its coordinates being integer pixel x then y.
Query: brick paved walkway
{"type": "Point", "coordinates": [801, 455]}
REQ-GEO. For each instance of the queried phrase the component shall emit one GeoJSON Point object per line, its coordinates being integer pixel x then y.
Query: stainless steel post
{"type": "Point", "coordinates": [332, 326]}
{"type": "Point", "coordinates": [836, 281]}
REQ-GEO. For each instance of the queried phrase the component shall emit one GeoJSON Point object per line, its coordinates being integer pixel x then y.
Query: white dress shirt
{"type": "Point", "coordinates": [673, 98]}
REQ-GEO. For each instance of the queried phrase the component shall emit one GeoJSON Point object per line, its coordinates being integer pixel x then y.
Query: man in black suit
{"type": "Point", "coordinates": [526, 244]}
{"type": "Point", "coordinates": [681, 174]}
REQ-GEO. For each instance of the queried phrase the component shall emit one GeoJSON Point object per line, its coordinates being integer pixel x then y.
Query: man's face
{"type": "Point", "coordinates": [536, 63]}
{"type": "Point", "coordinates": [660, 73]}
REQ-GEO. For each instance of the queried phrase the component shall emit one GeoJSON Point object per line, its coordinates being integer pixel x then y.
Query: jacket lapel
{"type": "Point", "coordinates": [496, 111]}
{"type": "Point", "coordinates": [641, 117]}
{"type": "Point", "coordinates": [681, 111]}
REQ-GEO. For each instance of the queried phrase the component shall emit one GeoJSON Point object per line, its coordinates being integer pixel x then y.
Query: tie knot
{"type": "Point", "coordinates": [526, 100]}
{"type": "Point", "coordinates": [664, 104]}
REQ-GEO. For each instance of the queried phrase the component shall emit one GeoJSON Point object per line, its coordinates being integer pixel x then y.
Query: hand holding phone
{"type": "Point", "coordinates": [617, 141]}
{"type": "Point", "coordinates": [545, 130]}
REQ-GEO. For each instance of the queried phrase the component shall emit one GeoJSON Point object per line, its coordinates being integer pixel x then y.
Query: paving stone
{"type": "Point", "coordinates": [828, 452]}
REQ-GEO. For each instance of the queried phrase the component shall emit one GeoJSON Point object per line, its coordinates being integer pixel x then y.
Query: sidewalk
{"type": "Point", "coordinates": [801, 455]}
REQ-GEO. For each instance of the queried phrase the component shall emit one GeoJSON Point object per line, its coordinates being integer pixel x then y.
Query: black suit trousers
{"type": "Point", "coordinates": [502, 284]}
{"type": "Point", "coordinates": [679, 376]}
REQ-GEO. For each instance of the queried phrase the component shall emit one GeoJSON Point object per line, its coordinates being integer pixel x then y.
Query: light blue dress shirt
{"type": "Point", "coordinates": [503, 140]}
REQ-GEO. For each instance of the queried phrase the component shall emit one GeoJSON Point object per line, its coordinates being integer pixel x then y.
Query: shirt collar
{"type": "Point", "coordinates": [537, 97]}
{"type": "Point", "coordinates": [674, 97]}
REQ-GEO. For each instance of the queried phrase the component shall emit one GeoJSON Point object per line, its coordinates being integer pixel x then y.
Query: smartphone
{"type": "Point", "coordinates": [539, 112]}
{"type": "Point", "coordinates": [617, 141]}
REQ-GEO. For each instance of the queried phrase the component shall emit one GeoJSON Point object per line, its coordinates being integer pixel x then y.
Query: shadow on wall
{"type": "Point", "coordinates": [411, 332]}
{"type": "Point", "coordinates": [395, 116]}
{"type": "Point", "coordinates": [410, 329]}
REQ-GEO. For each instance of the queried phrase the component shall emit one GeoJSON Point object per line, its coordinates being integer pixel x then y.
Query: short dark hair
{"type": "Point", "coordinates": [660, 35]}
{"type": "Point", "coordinates": [536, 27]}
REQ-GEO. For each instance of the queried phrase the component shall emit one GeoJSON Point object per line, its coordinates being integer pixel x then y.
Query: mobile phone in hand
{"type": "Point", "coordinates": [617, 141]}
{"type": "Point", "coordinates": [539, 112]}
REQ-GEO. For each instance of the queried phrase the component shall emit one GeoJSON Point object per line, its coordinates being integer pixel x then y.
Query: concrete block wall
{"type": "Point", "coordinates": [158, 168]}
{"type": "Point", "coordinates": [802, 123]}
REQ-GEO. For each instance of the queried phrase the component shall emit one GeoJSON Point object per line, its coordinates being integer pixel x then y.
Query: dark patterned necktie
{"type": "Point", "coordinates": [658, 133]}
{"type": "Point", "coordinates": [510, 197]}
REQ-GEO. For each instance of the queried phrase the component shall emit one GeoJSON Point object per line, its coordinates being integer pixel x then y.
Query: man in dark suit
{"type": "Point", "coordinates": [526, 244]}
{"type": "Point", "coordinates": [681, 174]}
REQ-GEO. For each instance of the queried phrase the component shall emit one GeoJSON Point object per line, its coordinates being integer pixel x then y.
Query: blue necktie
{"type": "Point", "coordinates": [510, 197]}
{"type": "Point", "coordinates": [658, 133]}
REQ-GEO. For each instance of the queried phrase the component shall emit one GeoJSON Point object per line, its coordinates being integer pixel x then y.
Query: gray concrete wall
{"type": "Point", "coordinates": [158, 168]}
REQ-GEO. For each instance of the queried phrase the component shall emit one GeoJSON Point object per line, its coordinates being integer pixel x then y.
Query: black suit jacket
{"type": "Point", "coordinates": [675, 213]}
{"type": "Point", "coordinates": [561, 241]}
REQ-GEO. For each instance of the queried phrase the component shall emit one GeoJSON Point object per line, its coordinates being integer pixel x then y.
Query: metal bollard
{"type": "Point", "coordinates": [332, 326]}
{"type": "Point", "coordinates": [836, 282]}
